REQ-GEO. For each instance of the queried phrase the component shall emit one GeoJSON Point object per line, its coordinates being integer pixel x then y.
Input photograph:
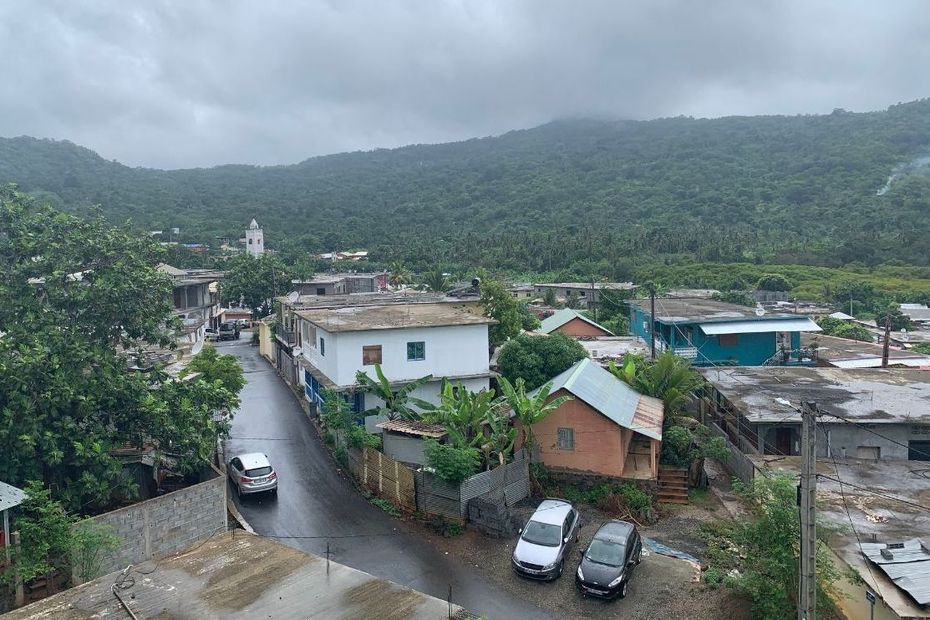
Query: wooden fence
{"type": "Point", "coordinates": [384, 476]}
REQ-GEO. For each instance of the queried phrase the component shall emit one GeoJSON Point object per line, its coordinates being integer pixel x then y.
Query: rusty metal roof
{"type": "Point", "coordinates": [410, 427]}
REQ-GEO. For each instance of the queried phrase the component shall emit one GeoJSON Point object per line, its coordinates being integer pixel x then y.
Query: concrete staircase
{"type": "Point", "coordinates": [673, 485]}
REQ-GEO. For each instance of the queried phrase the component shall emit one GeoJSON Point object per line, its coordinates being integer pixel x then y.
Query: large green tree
{"type": "Point", "coordinates": [78, 298]}
{"type": "Point", "coordinates": [511, 315]}
{"type": "Point", "coordinates": [537, 359]}
{"type": "Point", "coordinates": [255, 281]}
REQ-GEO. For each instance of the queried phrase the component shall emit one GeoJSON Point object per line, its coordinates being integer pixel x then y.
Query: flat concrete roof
{"type": "Point", "coordinates": [394, 316]}
{"type": "Point", "coordinates": [359, 299]}
{"type": "Point", "coordinates": [241, 575]}
{"type": "Point", "coordinates": [611, 286]}
{"type": "Point", "coordinates": [873, 395]}
{"type": "Point", "coordinates": [614, 347]}
{"type": "Point", "coordinates": [701, 310]}
{"type": "Point", "coordinates": [839, 351]}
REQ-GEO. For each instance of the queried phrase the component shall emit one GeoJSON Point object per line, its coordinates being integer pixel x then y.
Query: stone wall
{"type": "Point", "coordinates": [164, 525]}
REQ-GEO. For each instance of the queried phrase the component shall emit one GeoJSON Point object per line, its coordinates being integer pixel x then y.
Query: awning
{"type": "Point", "coordinates": [756, 327]}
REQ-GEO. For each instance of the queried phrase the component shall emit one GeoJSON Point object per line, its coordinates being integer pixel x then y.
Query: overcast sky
{"type": "Point", "coordinates": [198, 83]}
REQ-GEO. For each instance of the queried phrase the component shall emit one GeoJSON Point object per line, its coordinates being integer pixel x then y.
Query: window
{"type": "Point", "coordinates": [322, 346]}
{"type": "Point", "coordinates": [250, 242]}
{"type": "Point", "coordinates": [728, 340]}
{"type": "Point", "coordinates": [416, 351]}
{"type": "Point", "coordinates": [178, 299]}
{"type": "Point", "coordinates": [320, 290]}
{"type": "Point", "coordinates": [371, 355]}
{"type": "Point", "coordinates": [566, 440]}
{"type": "Point", "coordinates": [308, 334]}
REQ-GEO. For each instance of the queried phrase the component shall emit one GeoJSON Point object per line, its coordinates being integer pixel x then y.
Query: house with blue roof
{"type": "Point", "coordinates": [713, 333]}
{"type": "Point", "coordinates": [607, 428]}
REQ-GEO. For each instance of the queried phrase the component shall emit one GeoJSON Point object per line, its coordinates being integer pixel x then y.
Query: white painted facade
{"type": "Point", "coordinates": [254, 240]}
{"type": "Point", "coordinates": [459, 352]}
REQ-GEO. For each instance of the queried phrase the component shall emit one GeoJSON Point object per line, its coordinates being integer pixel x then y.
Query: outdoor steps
{"type": "Point", "coordinates": [673, 485]}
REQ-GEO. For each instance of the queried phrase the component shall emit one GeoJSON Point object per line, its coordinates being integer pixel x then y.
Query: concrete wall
{"type": "Point", "coordinates": [403, 448]}
{"type": "Point", "coordinates": [599, 443]}
{"type": "Point", "coordinates": [450, 351]}
{"type": "Point", "coordinates": [578, 328]}
{"type": "Point", "coordinates": [850, 437]}
{"type": "Point", "coordinates": [264, 341]}
{"type": "Point", "coordinates": [159, 527]}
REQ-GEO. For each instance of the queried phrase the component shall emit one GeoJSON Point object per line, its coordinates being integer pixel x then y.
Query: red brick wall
{"type": "Point", "coordinates": [600, 445]}
{"type": "Point", "coordinates": [577, 328]}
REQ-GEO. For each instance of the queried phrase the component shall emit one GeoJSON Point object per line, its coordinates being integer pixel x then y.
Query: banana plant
{"type": "Point", "coordinates": [531, 408]}
{"type": "Point", "coordinates": [395, 400]}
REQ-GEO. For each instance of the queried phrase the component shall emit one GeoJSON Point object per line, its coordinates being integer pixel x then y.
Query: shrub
{"type": "Point", "coordinates": [386, 506]}
{"type": "Point", "coordinates": [676, 446]}
{"type": "Point", "coordinates": [450, 463]}
{"type": "Point", "coordinates": [358, 437]}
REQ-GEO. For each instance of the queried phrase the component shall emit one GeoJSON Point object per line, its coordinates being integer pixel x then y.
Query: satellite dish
{"type": "Point", "coordinates": [760, 311]}
{"type": "Point", "coordinates": [293, 296]}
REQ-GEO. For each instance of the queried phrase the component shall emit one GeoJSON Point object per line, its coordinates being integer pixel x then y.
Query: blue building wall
{"type": "Point", "coordinates": [746, 350]}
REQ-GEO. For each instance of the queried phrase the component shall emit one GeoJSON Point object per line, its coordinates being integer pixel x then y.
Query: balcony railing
{"type": "Point", "coordinates": [286, 337]}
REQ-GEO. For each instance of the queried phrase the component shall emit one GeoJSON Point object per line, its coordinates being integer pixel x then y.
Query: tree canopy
{"type": "Point", "coordinates": [77, 299]}
{"type": "Point", "coordinates": [758, 190]}
{"type": "Point", "coordinates": [254, 281]}
{"type": "Point", "coordinates": [537, 359]}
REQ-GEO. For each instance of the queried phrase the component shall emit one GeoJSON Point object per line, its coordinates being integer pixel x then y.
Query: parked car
{"type": "Point", "coordinates": [228, 331]}
{"type": "Point", "coordinates": [243, 323]}
{"type": "Point", "coordinates": [210, 335]}
{"type": "Point", "coordinates": [544, 541]}
{"type": "Point", "coordinates": [252, 473]}
{"type": "Point", "coordinates": [608, 563]}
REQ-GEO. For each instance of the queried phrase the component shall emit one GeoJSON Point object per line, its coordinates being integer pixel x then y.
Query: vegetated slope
{"type": "Point", "coordinates": [757, 189]}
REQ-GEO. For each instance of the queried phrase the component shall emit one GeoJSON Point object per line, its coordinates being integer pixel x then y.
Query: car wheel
{"type": "Point", "coordinates": [639, 557]}
{"type": "Point", "coordinates": [622, 593]}
{"type": "Point", "coordinates": [561, 568]}
{"type": "Point", "coordinates": [238, 491]}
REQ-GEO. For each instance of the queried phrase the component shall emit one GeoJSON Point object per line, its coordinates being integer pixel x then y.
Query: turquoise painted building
{"type": "Point", "coordinates": [713, 333]}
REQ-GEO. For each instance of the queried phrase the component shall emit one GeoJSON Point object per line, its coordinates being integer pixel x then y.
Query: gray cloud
{"type": "Point", "coordinates": [178, 84]}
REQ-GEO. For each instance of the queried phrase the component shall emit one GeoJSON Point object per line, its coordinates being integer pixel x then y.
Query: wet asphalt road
{"type": "Point", "coordinates": [316, 505]}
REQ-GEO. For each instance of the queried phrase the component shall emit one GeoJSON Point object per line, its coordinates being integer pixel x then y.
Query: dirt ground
{"type": "Point", "coordinates": [662, 587]}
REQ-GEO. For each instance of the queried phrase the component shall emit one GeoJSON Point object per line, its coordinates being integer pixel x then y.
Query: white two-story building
{"type": "Point", "coordinates": [409, 341]}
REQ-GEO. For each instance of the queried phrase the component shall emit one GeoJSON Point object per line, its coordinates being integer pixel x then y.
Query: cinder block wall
{"type": "Point", "coordinates": [164, 525]}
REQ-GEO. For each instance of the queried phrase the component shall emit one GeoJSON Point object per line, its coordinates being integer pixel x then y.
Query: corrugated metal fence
{"type": "Point", "coordinates": [738, 463]}
{"type": "Point", "coordinates": [504, 485]}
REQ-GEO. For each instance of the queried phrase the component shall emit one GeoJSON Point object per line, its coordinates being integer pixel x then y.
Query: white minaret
{"type": "Point", "coordinates": [254, 240]}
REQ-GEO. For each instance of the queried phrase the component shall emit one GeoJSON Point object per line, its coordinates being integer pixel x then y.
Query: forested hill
{"type": "Point", "coordinates": [763, 189]}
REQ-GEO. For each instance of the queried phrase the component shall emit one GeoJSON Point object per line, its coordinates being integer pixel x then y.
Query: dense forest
{"type": "Point", "coordinates": [590, 196]}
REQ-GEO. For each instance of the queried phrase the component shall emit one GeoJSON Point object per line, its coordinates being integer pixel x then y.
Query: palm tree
{"type": "Point", "coordinates": [669, 377]}
{"type": "Point", "coordinates": [400, 275]}
{"type": "Point", "coordinates": [395, 401]}
{"type": "Point", "coordinates": [435, 280]}
{"type": "Point", "coordinates": [529, 409]}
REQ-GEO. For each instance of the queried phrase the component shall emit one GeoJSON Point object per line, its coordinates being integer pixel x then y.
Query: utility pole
{"type": "Point", "coordinates": [807, 606]}
{"type": "Point", "coordinates": [652, 318]}
{"type": "Point", "coordinates": [887, 339]}
{"type": "Point", "coordinates": [593, 298]}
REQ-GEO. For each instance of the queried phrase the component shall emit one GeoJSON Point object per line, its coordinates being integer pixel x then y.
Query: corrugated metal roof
{"type": "Point", "coordinates": [411, 427]}
{"type": "Point", "coordinates": [611, 397]}
{"type": "Point", "coordinates": [10, 496]}
{"type": "Point", "coordinates": [755, 327]}
{"type": "Point", "coordinates": [907, 564]}
{"type": "Point", "coordinates": [563, 316]}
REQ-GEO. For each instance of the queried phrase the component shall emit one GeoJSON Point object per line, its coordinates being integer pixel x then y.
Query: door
{"type": "Point", "coordinates": [918, 450]}
{"type": "Point", "coordinates": [783, 437]}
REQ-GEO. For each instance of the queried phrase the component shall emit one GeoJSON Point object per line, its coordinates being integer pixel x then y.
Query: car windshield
{"type": "Point", "coordinates": [258, 471]}
{"type": "Point", "coordinates": [606, 552]}
{"type": "Point", "coordinates": [544, 534]}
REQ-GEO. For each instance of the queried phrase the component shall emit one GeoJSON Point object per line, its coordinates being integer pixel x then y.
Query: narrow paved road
{"type": "Point", "coordinates": [316, 505]}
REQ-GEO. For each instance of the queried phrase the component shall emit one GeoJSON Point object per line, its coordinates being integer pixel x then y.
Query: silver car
{"type": "Point", "coordinates": [252, 473]}
{"type": "Point", "coordinates": [544, 541]}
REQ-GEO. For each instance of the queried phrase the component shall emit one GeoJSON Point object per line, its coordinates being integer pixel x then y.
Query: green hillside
{"type": "Point", "coordinates": [800, 189]}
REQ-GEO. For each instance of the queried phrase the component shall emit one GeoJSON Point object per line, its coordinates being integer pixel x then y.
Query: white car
{"type": "Point", "coordinates": [252, 473]}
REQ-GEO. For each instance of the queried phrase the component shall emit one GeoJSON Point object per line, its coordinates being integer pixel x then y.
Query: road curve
{"type": "Point", "coordinates": [317, 505]}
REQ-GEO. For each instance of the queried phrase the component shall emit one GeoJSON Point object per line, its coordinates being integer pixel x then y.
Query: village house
{"type": "Point", "coordinates": [341, 283]}
{"type": "Point", "coordinates": [408, 341]}
{"type": "Point", "coordinates": [710, 333]}
{"type": "Point", "coordinates": [196, 303]}
{"type": "Point", "coordinates": [867, 413]}
{"type": "Point", "coordinates": [574, 324]}
{"type": "Point", "coordinates": [522, 291]}
{"type": "Point", "coordinates": [607, 429]}
{"type": "Point", "coordinates": [588, 293]}
{"type": "Point", "coordinates": [846, 353]}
